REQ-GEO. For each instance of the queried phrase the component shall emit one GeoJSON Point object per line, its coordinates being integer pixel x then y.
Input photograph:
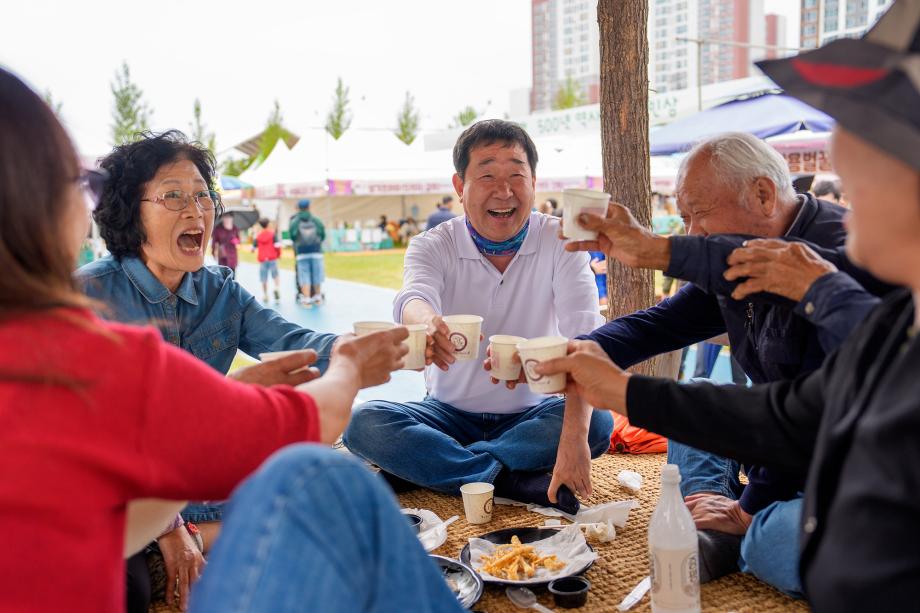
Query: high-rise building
{"type": "Point", "coordinates": [672, 58]}
{"type": "Point", "coordinates": [566, 44]}
{"type": "Point", "coordinates": [827, 20]}
{"type": "Point", "coordinates": [775, 35]}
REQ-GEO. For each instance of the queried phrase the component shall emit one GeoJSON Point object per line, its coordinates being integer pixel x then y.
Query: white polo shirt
{"type": "Point", "coordinates": [545, 291]}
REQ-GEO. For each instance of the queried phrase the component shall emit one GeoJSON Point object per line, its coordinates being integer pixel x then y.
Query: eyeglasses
{"type": "Point", "coordinates": [92, 183]}
{"type": "Point", "coordinates": [176, 200]}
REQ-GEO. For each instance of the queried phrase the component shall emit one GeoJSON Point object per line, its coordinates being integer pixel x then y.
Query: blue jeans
{"type": "Point", "coordinates": [770, 548]}
{"type": "Point", "coordinates": [434, 445]}
{"type": "Point", "coordinates": [201, 512]}
{"type": "Point", "coordinates": [266, 268]}
{"type": "Point", "coordinates": [310, 269]}
{"type": "Point", "coordinates": [314, 530]}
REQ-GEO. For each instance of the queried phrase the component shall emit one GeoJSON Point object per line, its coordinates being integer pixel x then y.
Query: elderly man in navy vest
{"type": "Point", "coordinates": [736, 198]}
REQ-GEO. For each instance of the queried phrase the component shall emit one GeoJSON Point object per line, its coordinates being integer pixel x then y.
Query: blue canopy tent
{"type": "Point", "coordinates": [763, 116]}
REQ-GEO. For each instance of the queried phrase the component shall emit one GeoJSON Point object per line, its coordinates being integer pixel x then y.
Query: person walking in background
{"type": "Point", "coordinates": [269, 250]}
{"type": "Point", "coordinates": [308, 233]}
{"type": "Point", "coordinates": [224, 240]}
{"type": "Point", "coordinates": [442, 214]}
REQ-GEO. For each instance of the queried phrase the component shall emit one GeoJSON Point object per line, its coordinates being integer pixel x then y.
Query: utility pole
{"type": "Point", "coordinates": [699, 42]}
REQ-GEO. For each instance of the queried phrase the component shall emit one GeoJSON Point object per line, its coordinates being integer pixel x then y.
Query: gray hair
{"type": "Point", "coordinates": [739, 158]}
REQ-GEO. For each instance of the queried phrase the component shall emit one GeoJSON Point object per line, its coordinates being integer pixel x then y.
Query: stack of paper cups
{"type": "Point", "coordinates": [578, 201]}
{"type": "Point", "coordinates": [537, 350]}
{"type": "Point", "coordinates": [503, 348]}
{"type": "Point", "coordinates": [417, 343]}
{"type": "Point", "coordinates": [464, 335]}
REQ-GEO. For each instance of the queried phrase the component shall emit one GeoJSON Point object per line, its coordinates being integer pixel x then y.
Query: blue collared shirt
{"type": "Point", "coordinates": [210, 315]}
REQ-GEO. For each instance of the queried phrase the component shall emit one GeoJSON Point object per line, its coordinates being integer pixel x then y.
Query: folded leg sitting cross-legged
{"type": "Point", "coordinates": [434, 445]}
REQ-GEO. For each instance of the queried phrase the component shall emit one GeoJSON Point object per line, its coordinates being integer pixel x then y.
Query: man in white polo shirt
{"type": "Point", "coordinates": [503, 262]}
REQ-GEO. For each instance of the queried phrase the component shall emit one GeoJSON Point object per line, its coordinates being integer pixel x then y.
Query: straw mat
{"type": "Point", "coordinates": [621, 564]}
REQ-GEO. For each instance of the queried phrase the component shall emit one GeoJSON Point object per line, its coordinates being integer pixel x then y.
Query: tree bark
{"type": "Point", "coordinates": [625, 146]}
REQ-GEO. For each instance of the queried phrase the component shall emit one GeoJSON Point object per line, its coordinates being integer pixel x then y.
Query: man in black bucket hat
{"type": "Point", "coordinates": [853, 425]}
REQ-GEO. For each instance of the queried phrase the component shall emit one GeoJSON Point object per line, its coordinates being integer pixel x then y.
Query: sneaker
{"type": "Point", "coordinates": [305, 302]}
{"type": "Point", "coordinates": [277, 296]}
{"type": "Point", "coordinates": [265, 299]}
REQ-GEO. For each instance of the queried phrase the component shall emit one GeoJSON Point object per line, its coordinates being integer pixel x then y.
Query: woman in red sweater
{"type": "Point", "coordinates": [87, 410]}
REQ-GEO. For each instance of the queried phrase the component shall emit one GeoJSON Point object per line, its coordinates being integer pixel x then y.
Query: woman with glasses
{"type": "Point", "coordinates": [156, 213]}
{"type": "Point", "coordinates": [88, 415]}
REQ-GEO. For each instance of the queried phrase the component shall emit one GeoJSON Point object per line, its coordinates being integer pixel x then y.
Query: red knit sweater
{"type": "Point", "coordinates": [139, 419]}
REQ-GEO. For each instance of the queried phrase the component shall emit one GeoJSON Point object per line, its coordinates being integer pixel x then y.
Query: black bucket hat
{"type": "Point", "coordinates": [870, 85]}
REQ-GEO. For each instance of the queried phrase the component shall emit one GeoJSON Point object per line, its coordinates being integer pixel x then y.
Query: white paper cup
{"type": "Point", "coordinates": [270, 356]}
{"type": "Point", "coordinates": [478, 499]}
{"type": "Point", "coordinates": [417, 342]}
{"type": "Point", "coordinates": [464, 335]}
{"type": "Point", "coordinates": [503, 347]}
{"type": "Point", "coordinates": [578, 201]}
{"type": "Point", "coordinates": [537, 350]}
{"type": "Point", "coordinates": [369, 327]}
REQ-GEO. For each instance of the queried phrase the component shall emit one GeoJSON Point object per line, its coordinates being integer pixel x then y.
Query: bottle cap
{"type": "Point", "coordinates": [670, 473]}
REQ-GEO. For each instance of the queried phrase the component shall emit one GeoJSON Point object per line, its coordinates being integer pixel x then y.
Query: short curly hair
{"type": "Point", "coordinates": [130, 167]}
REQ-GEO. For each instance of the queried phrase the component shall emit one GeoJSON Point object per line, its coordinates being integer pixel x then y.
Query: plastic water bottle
{"type": "Point", "coordinates": [673, 550]}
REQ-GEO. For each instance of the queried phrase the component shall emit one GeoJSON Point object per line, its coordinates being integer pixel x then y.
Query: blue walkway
{"type": "Point", "coordinates": [348, 302]}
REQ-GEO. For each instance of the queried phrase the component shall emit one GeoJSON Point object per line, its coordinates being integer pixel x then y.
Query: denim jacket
{"type": "Point", "coordinates": [210, 315]}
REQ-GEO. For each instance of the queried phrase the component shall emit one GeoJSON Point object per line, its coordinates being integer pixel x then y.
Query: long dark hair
{"type": "Point", "coordinates": [38, 165]}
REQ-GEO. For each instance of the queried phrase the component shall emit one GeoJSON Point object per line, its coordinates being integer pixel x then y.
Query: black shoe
{"type": "Point", "coordinates": [531, 487]}
{"type": "Point", "coordinates": [719, 553]}
{"type": "Point", "coordinates": [398, 484]}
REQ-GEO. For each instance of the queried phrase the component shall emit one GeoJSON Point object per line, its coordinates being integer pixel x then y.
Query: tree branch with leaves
{"type": "Point", "coordinates": [130, 114]}
{"type": "Point", "coordinates": [464, 117]}
{"type": "Point", "coordinates": [339, 118]}
{"type": "Point", "coordinates": [407, 121]}
{"type": "Point", "coordinates": [199, 132]}
{"type": "Point", "coordinates": [570, 95]}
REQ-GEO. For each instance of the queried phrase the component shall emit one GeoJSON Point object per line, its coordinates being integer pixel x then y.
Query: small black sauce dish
{"type": "Point", "coordinates": [570, 592]}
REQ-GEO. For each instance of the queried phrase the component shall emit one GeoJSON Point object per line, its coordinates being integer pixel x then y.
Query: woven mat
{"type": "Point", "coordinates": [620, 565]}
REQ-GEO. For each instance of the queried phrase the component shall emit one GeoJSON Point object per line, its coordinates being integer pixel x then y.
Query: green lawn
{"type": "Point", "coordinates": [380, 268]}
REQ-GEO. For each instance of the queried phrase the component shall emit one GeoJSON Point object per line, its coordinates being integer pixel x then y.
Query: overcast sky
{"type": "Point", "coordinates": [238, 56]}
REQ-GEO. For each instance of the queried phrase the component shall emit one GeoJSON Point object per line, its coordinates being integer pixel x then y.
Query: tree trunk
{"type": "Point", "coordinates": [624, 142]}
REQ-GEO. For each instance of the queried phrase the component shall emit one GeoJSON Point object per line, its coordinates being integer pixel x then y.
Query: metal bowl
{"type": "Point", "coordinates": [462, 580]}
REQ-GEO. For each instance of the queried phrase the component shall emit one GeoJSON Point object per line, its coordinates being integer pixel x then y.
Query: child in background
{"type": "Point", "coordinates": [269, 250]}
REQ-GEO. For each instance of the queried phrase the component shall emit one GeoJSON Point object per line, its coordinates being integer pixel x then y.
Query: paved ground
{"type": "Point", "coordinates": [348, 302]}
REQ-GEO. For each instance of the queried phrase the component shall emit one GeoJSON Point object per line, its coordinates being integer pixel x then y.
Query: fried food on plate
{"type": "Point", "coordinates": [516, 561]}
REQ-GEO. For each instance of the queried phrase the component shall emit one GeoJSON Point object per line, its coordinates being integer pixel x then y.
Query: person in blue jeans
{"type": "Point", "coordinates": [308, 233]}
{"type": "Point", "coordinates": [502, 263]}
{"type": "Point", "coordinates": [314, 530]}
